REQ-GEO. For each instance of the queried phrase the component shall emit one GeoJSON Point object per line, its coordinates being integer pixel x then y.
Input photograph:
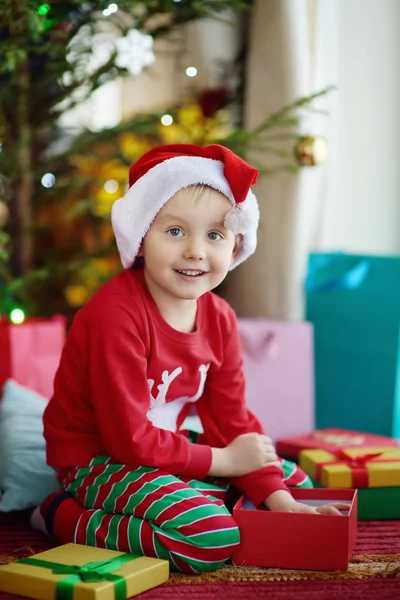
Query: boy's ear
{"type": "Point", "coordinates": [238, 241]}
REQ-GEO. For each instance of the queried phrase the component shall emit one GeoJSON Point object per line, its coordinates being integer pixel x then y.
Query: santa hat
{"type": "Point", "coordinates": [163, 171]}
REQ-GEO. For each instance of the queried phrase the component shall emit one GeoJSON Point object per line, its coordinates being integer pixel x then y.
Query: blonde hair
{"type": "Point", "coordinates": [198, 190]}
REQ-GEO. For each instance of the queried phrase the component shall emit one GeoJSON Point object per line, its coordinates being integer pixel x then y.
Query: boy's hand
{"type": "Point", "coordinates": [284, 502]}
{"type": "Point", "coordinates": [245, 454]}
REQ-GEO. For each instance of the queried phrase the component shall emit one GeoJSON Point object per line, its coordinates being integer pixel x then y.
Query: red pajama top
{"type": "Point", "coordinates": [127, 380]}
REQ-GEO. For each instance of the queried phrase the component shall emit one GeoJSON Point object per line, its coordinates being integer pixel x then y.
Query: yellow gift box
{"type": "Point", "coordinates": [350, 468]}
{"type": "Point", "coordinates": [76, 572]}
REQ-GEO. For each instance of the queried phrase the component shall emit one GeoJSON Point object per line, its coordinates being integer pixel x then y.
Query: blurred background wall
{"type": "Point", "coordinates": [363, 202]}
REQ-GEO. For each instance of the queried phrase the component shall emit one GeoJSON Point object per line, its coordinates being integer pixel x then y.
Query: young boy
{"type": "Point", "coordinates": [152, 344]}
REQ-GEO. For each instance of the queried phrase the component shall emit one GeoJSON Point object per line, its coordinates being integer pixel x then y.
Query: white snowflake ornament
{"type": "Point", "coordinates": [135, 51]}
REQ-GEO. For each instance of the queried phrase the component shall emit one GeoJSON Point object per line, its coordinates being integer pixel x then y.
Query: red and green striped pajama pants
{"type": "Point", "coordinates": [146, 511]}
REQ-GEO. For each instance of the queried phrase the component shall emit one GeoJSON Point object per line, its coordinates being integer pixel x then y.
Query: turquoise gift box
{"type": "Point", "coordinates": [353, 302]}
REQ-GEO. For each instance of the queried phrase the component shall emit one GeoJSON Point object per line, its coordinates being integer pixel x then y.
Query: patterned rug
{"type": "Point", "coordinates": [374, 572]}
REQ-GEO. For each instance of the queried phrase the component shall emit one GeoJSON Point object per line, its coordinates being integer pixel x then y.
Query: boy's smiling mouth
{"type": "Point", "coordinates": [190, 273]}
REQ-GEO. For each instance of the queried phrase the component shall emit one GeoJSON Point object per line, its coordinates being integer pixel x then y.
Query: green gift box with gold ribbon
{"type": "Point", "coordinates": [76, 572]}
{"type": "Point", "coordinates": [375, 472]}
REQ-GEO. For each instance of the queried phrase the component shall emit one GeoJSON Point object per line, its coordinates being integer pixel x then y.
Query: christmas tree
{"type": "Point", "coordinates": [46, 66]}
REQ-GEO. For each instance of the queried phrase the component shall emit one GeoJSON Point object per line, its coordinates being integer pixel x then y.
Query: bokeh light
{"type": "Point", "coordinates": [167, 120]}
{"type": "Point", "coordinates": [17, 316]}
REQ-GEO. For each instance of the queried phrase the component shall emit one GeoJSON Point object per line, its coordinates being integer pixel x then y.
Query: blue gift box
{"type": "Point", "coordinates": [354, 304]}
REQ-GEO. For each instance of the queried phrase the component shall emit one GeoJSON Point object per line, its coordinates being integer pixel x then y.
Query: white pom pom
{"type": "Point", "coordinates": [241, 218]}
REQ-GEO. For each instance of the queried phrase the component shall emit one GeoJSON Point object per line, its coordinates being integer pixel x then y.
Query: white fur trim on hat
{"type": "Point", "coordinates": [243, 219]}
{"type": "Point", "coordinates": [133, 214]}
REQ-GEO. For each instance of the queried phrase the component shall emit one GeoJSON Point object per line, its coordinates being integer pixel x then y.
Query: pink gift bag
{"type": "Point", "coordinates": [30, 352]}
{"type": "Point", "coordinates": [278, 367]}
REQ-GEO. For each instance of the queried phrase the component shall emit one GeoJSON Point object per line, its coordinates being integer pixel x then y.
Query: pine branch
{"type": "Point", "coordinates": [281, 117]}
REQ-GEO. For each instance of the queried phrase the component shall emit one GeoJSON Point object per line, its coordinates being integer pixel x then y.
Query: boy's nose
{"type": "Point", "coordinates": [194, 250]}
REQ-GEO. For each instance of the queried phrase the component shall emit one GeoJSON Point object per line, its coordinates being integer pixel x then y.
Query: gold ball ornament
{"type": "Point", "coordinates": [76, 295]}
{"type": "Point", "coordinates": [311, 150]}
{"type": "Point", "coordinates": [4, 213]}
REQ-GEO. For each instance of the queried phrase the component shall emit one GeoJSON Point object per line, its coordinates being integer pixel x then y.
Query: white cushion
{"type": "Point", "coordinates": [25, 478]}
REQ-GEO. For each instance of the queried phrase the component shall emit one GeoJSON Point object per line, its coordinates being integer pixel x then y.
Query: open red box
{"type": "Point", "coordinates": [298, 541]}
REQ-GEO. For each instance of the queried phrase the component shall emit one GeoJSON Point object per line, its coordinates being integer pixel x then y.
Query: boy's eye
{"type": "Point", "coordinates": [175, 231]}
{"type": "Point", "coordinates": [214, 235]}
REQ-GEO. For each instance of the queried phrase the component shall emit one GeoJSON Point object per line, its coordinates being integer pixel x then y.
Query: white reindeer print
{"type": "Point", "coordinates": [165, 414]}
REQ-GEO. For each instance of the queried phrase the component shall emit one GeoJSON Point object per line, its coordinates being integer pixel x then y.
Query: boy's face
{"type": "Point", "coordinates": [187, 250]}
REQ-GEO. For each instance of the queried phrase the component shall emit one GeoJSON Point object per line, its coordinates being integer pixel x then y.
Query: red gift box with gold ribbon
{"type": "Point", "coordinates": [332, 439]}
